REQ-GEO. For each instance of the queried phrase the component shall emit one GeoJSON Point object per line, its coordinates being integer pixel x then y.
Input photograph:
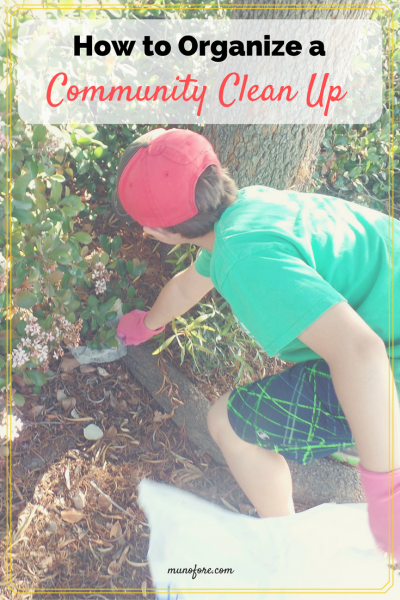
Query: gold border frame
{"type": "Point", "coordinates": [12, 12]}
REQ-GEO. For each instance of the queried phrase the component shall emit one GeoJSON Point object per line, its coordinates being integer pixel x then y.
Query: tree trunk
{"type": "Point", "coordinates": [278, 156]}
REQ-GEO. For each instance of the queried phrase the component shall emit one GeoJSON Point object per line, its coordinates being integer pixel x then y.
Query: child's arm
{"type": "Point", "coordinates": [362, 378]}
{"type": "Point", "coordinates": [179, 295]}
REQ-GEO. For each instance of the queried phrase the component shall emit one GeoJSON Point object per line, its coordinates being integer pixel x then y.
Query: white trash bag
{"type": "Point", "coordinates": [329, 547]}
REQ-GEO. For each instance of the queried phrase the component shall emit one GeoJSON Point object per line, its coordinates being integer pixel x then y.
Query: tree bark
{"type": "Point", "coordinates": [278, 156]}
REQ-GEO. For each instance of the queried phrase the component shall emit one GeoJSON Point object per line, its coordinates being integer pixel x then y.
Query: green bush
{"type": "Point", "coordinates": [354, 163]}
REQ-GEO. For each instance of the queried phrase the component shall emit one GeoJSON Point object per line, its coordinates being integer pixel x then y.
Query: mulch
{"type": "Point", "coordinates": [103, 545]}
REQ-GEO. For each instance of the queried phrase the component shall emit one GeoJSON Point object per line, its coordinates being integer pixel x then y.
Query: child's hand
{"type": "Point", "coordinates": [376, 489]}
{"type": "Point", "coordinates": [132, 330]}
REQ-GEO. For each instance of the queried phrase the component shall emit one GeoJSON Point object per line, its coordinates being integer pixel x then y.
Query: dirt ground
{"type": "Point", "coordinates": [68, 538]}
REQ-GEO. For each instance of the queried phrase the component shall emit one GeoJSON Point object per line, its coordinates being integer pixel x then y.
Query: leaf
{"type": "Point", "coordinates": [21, 329]}
{"type": "Point", "coordinates": [121, 267]}
{"type": "Point", "coordinates": [92, 432]}
{"type": "Point", "coordinates": [61, 395]}
{"type": "Point", "coordinates": [116, 530]}
{"type": "Point", "coordinates": [68, 403]}
{"type": "Point", "coordinates": [114, 568]}
{"type": "Point", "coordinates": [158, 416]}
{"type": "Point", "coordinates": [74, 414]}
{"type": "Point", "coordinates": [36, 377]}
{"type": "Point", "coordinates": [67, 477]}
{"type": "Point", "coordinates": [139, 269]}
{"type": "Point", "coordinates": [92, 301]}
{"type": "Point", "coordinates": [69, 364]}
{"type": "Point", "coordinates": [87, 369]}
{"type": "Point", "coordinates": [39, 134]}
{"type": "Point", "coordinates": [79, 500]}
{"type": "Point", "coordinates": [35, 411]}
{"type": "Point", "coordinates": [24, 216]}
{"type": "Point", "coordinates": [116, 243]}
{"type": "Point", "coordinates": [72, 515]}
{"type": "Point", "coordinates": [82, 237]}
{"type": "Point", "coordinates": [61, 256]}
{"type": "Point", "coordinates": [164, 345]}
{"type": "Point", "coordinates": [112, 432]}
{"type": "Point", "coordinates": [139, 303]}
{"type": "Point", "coordinates": [56, 190]}
{"type": "Point", "coordinates": [72, 211]}
{"type": "Point", "coordinates": [104, 504]}
{"type": "Point", "coordinates": [18, 399]}
{"type": "Point", "coordinates": [131, 292]}
{"type": "Point", "coordinates": [105, 243]}
{"type": "Point", "coordinates": [20, 185]}
{"type": "Point", "coordinates": [103, 372]}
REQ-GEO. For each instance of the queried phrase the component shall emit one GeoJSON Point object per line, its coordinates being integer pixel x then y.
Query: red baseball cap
{"type": "Point", "coordinates": [157, 176]}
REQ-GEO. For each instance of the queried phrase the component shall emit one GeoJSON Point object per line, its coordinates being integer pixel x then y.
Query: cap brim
{"type": "Point", "coordinates": [119, 210]}
{"type": "Point", "coordinates": [139, 143]}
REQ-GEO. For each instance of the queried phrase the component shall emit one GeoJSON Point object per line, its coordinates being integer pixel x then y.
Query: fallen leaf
{"type": "Point", "coordinates": [114, 568]}
{"type": "Point", "coordinates": [116, 530]}
{"type": "Point", "coordinates": [52, 527]}
{"type": "Point", "coordinates": [102, 372]}
{"type": "Point", "coordinates": [72, 516]}
{"type": "Point", "coordinates": [35, 411]}
{"type": "Point", "coordinates": [46, 561]}
{"type": "Point", "coordinates": [61, 395]}
{"type": "Point", "coordinates": [112, 432]}
{"type": "Point", "coordinates": [4, 451]}
{"type": "Point", "coordinates": [122, 405]}
{"type": "Point", "coordinates": [123, 556]}
{"type": "Point", "coordinates": [87, 369]}
{"type": "Point", "coordinates": [74, 414]}
{"type": "Point", "coordinates": [92, 432]}
{"type": "Point", "coordinates": [79, 500]}
{"type": "Point", "coordinates": [132, 399]}
{"type": "Point", "coordinates": [158, 416]}
{"type": "Point", "coordinates": [19, 381]}
{"type": "Point", "coordinates": [69, 364]}
{"type": "Point", "coordinates": [68, 403]}
{"type": "Point", "coordinates": [67, 478]}
{"type": "Point", "coordinates": [103, 503]}
{"type": "Point", "coordinates": [65, 543]}
{"type": "Point", "coordinates": [55, 276]}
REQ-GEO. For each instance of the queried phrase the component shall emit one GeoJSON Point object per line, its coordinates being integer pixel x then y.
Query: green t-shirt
{"type": "Point", "coordinates": [283, 258]}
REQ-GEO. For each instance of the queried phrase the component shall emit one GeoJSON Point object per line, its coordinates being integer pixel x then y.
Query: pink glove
{"type": "Point", "coordinates": [376, 489]}
{"type": "Point", "coordinates": [132, 330]}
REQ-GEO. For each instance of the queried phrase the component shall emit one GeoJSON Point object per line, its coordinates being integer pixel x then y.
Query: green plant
{"type": "Point", "coordinates": [184, 255]}
{"type": "Point", "coordinates": [220, 345]}
{"type": "Point", "coordinates": [354, 162]}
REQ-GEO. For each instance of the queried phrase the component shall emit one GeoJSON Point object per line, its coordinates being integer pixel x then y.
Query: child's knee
{"type": "Point", "coordinates": [217, 418]}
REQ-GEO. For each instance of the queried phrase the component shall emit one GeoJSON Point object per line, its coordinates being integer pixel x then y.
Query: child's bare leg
{"type": "Point", "coordinates": [262, 474]}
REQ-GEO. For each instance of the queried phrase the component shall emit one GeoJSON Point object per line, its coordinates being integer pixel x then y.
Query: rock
{"type": "Point", "coordinates": [323, 480]}
{"type": "Point", "coordinates": [86, 355]}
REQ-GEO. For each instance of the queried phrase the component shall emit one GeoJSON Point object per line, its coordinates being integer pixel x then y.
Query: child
{"type": "Point", "coordinates": [307, 276]}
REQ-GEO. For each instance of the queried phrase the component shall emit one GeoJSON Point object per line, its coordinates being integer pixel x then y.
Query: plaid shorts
{"type": "Point", "coordinates": [295, 413]}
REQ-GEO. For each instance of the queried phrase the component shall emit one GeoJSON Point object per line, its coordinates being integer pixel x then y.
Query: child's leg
{"type": "Point", "coordinates": [262, 474]}
{"type": "Point", "coordinates": [294, 415]}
